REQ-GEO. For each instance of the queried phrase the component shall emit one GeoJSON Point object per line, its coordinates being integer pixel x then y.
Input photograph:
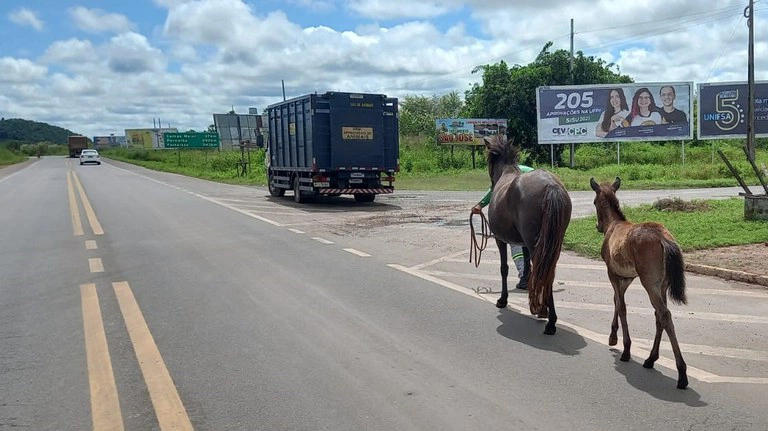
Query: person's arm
{"type": "Point", "coordinates": [483, 202]}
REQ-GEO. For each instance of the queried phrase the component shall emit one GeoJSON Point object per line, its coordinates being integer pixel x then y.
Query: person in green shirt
{"type": "Point", "coordinates": [517, 251]}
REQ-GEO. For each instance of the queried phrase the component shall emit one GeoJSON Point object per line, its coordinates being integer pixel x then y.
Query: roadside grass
{"type": "Point", "coordinates": [717, 223]}
{"type": "Point", "coordinates": [211, 165]}
{"type": "Point", "coordinates": [8, 157]}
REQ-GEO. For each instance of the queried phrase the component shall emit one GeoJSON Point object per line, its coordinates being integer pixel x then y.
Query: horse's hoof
{"type": "Point", "coordinates": [521, 286]}
{"type": "Point", "coordinates": [625, 357]}
{"type": "Point", "coordinates": [550, 330]}
{"type": "Point", "coordinates": [682, 383]}
{"type": "Point", "coordinates": [648, 363]}
{"type": "Point", "coordinates": [501, 304]}
{"type": "Point", "coordinates": [613, 340]}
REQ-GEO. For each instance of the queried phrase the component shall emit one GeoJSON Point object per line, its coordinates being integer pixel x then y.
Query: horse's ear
{"type": "Point", "coordinates": [487, 143]}
{"type": "Point", "coordinates": [616, 184]}
{"type": "Point", "coordinates": [595, 185]}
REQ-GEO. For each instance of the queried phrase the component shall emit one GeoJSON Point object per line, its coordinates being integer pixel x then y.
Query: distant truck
{"type": "Point", "coordinates": [333, 144]}
{"type": "Point", "coordinates": [76, 144]}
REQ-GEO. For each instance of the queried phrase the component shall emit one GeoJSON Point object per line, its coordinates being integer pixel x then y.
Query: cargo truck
{"type": "Point", "coordinates": [76, 144]}
{"type": "Point", "coordinates": [333, 144]}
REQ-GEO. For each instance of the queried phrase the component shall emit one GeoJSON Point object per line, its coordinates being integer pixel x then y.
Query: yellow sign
{"type": "Point", "coordinates": [139, 138]}
{"type": "Point", "coordinates": [291, 129]}
{"type": "Point", "coordinates": [357, 133]}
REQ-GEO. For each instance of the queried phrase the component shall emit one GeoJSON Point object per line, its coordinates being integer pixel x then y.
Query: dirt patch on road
{"type": "Point", "coordinates": [751, 258]}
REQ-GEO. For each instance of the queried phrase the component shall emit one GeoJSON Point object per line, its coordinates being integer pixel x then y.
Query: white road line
{"type": "Point", "coordinates": [497, 262]}
{"type": "Point", "coordinates": [225, 205]}
{"type": "Point", "coordinates": [296, 231]}
{"type": "Point", "coordinates": [682, 314]}
{"type": "Point", "coordinates": [663, 361]}
{"type": "Point", "coordinates": [322, 240]}
{"type": "Point", "coordinates": [95, 264]}
{"type": "Point", "coordinates": [356, 252]}
{"type": "Point", "coordinates": [15, 173]}
{"type": "Point", "coordinates": [762, 294]}
{"type": "Point", "coordinates": [90, 245]}
{"type": "Point", "coordinates": [441, 259]}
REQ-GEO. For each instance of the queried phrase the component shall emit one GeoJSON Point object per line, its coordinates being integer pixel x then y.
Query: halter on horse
{"type": "Point", "coordinates": [532, 210]}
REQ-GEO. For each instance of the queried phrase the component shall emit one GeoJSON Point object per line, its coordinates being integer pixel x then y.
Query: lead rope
{"type": "Point", "coordinates": [475, 248]}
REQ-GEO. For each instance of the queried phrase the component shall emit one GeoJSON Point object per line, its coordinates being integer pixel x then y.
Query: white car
{"type": "Point", "coordinates": [90, 156]}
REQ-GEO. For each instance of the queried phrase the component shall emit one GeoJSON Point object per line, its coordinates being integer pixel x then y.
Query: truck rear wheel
{"type": "Point", "coordinates": [365, 198]}
{"type": "Point", "coordinates": [274, 191]}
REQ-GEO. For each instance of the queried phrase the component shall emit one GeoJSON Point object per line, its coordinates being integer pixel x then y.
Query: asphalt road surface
{"type": "Point", "coordinates": [140, 300]}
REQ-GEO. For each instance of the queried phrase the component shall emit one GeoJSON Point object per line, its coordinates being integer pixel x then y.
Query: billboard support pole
{"type": "Point", "coordinates": [573, 145]}
{"type": "Point", "coordinates": [749, 13]}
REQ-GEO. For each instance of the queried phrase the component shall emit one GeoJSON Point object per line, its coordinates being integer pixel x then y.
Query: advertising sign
{"type": "Point", "coordinates": [723, 110]}
{"type": "Point", "coordinates": [615, 112]}
{"type": "Point", "coordinates": [191, 140]}
{"type": "Point", "coordinates": [147, 138]}
{"type": "Point", "coordinates": [468, 131]}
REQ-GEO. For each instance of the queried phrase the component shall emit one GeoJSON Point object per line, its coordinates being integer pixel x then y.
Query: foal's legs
{"type": "Point", "coordinates": [620, 285]}
{"type": "Point", "coordinates": [664, 321]}
{"type": "Point", "coordinates": [502, 302]}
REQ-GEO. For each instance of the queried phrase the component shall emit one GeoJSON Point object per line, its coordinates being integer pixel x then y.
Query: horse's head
{"type": "Point", "coordinates": [500, 154]}
{"type": "Point", "coordinates": [606, 203]}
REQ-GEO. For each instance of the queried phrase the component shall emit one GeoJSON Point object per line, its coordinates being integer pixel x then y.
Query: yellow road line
{"type": "Point", "coordinates": [95, 264]}
{"type": "Point", "coordinates": [90, 245]}
{"type": "Point", "coordinates": [105, 405]}
{"type": "Point", "coordinates": [168, 406]}
{"type": "Point", "coordinates": [92, 220]}
{"type": "Point", "coordinates": [77, 225]}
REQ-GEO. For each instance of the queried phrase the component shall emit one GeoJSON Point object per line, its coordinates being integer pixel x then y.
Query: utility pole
{"type": "Point", "coordinates": [573, 146]}
{"type": "Point", "coordinates": [749, 13]}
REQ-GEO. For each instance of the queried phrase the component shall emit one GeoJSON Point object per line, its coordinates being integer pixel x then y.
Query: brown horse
{"type": "Point", "coordinates": [645, 250]}
{"type": "Point", "coordinates": [532, 210]}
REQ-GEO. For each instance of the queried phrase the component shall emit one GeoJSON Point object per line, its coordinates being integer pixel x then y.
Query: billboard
{"type": "Point", "coordinates": [615, 112]}
{"type": "Point", "coordinates": [100, 142]}
{"type": "Point", "coordinates": [234, 128]}
{"type": "Point", "coordinates": [468, 131]}
{"type": "Point", "coordinates": [723, 110]}
{"type": "Point", "coordinates": [147, 138]}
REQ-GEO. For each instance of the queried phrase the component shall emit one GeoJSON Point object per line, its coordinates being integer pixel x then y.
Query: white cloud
{"type": "Point", "coordinates": [20, 71]}
{"type": "Point", "coordinates": [99, 21]}
{"type": "Point", "coordinates": [131, 53]}
{"type": "Point", "coordinates": [393, 9]}
{"type": "Point", "coordinates": [26, 17]}
{"type": "Point", "coordinates": [210, 54]}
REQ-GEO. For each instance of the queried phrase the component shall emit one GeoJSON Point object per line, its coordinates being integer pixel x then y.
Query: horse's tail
{"type": "Point", "coordinates": [556, 214]}
{"type": "Point", "coordinates": [675, 271]}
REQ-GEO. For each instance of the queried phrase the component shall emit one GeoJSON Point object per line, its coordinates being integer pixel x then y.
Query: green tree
{"type": "Point", "coordinates": [418, 113]}
{"type": "Point", "coordinates": [510, 92]}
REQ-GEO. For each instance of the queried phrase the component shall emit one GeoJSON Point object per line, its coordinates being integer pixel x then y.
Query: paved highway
{"type": "Point", "coordinates": [140, 300]}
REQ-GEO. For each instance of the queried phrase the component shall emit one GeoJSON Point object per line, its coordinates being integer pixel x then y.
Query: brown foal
{"type": "Point", "coordinates": [644, 250]}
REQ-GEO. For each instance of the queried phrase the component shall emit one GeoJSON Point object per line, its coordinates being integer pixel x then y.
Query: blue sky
{"type": "Point", "coordinates": [99, 67]}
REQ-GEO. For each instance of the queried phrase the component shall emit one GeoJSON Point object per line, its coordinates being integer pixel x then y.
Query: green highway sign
{"type": "Point", "coordinates": [191, 140]}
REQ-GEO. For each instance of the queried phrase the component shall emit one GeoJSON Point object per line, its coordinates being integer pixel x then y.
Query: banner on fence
{"type": "Point", "coordinates": [615, 112]}
{"type": "Point", "coordinates": [468, 131]}
{"type": "Point", "coordinates": [723, 110]}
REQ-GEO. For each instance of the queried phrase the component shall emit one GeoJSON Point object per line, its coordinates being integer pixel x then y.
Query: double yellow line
{"type": "Point", "coordinates": [105, 404]}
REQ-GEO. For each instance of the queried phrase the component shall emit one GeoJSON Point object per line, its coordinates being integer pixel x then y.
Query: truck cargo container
{"type": "Point", "coordinates": [76, 144]}
{"type": "Point", "coordinates": [333, 144]}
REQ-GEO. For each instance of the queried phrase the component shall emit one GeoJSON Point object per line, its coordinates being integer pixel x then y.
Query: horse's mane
{"type": "Point", "coordinates": [504, 151]}
{"type": "Point", "coordinates": [613, 202]}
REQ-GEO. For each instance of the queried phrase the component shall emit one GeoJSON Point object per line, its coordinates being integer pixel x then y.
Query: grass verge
{"type": "Point", "coordinates": [720, 223]}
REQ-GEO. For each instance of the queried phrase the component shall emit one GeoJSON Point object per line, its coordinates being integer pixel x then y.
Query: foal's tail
{"type": "Point", "coordinates": [556, 214]}
{"type": "Point", "coordinates": [675, 271]}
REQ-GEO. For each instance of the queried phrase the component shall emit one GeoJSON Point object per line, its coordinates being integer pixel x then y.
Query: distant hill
{"type": "Point", "coordinates": [31, 132]}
